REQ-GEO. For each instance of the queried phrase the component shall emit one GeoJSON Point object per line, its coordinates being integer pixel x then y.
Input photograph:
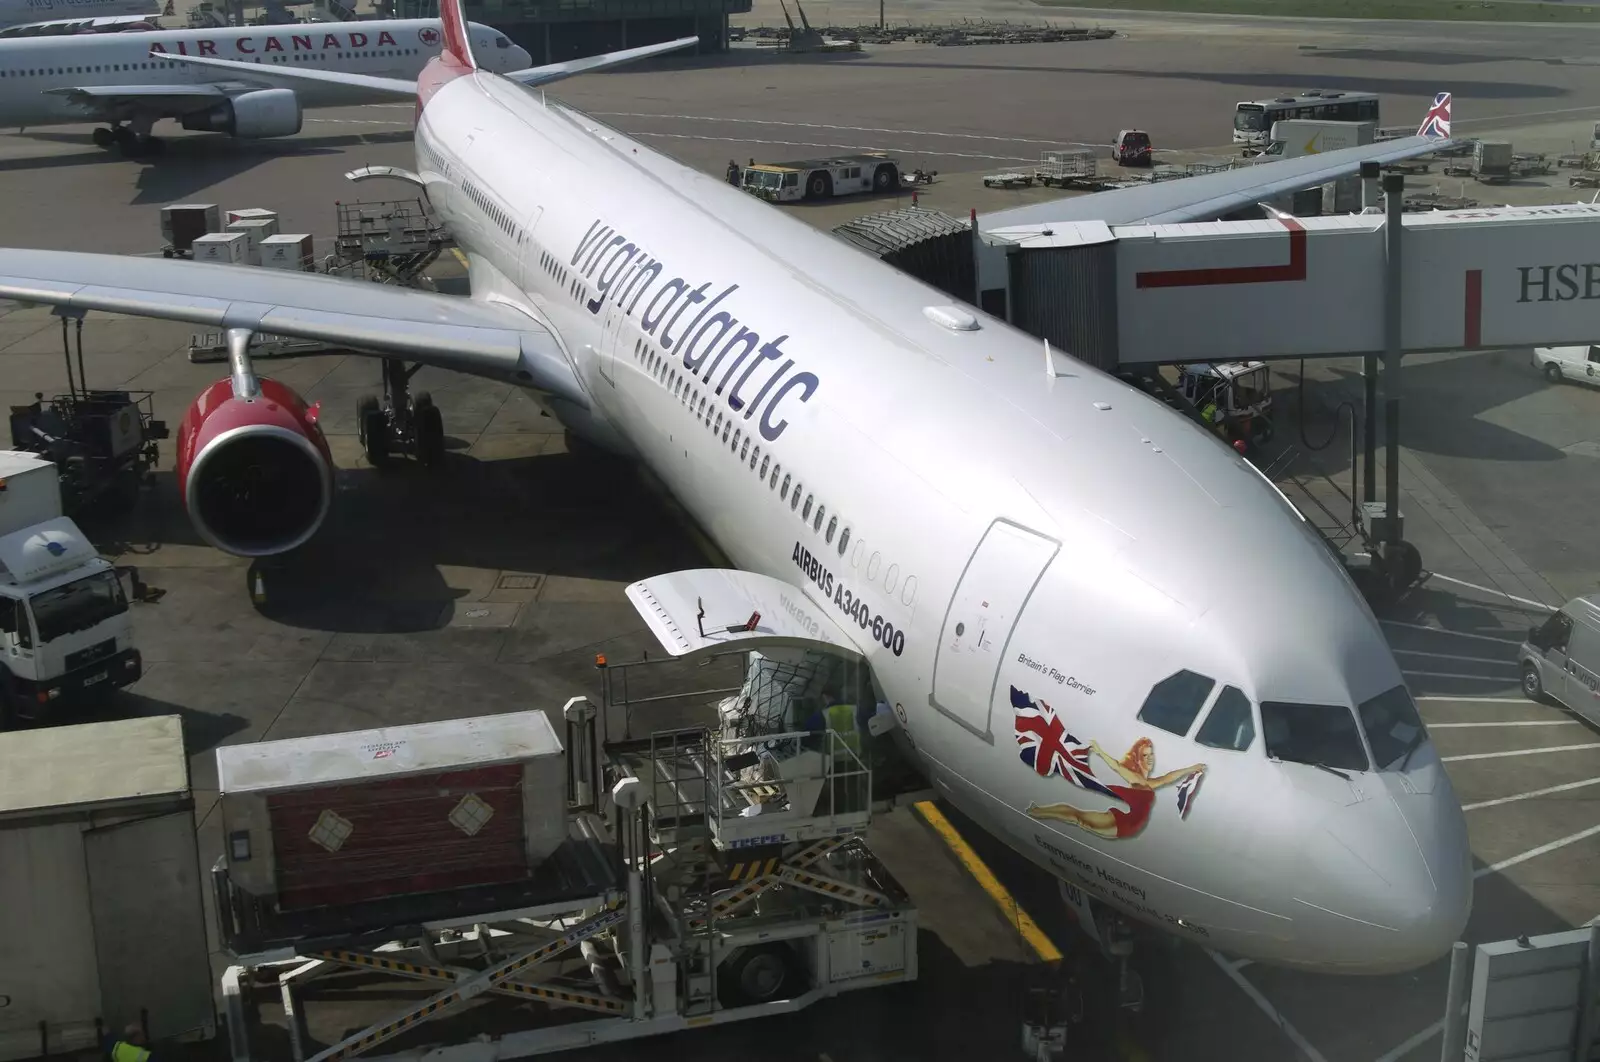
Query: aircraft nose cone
{"type": "Point", "coordinates": [1389, 881]}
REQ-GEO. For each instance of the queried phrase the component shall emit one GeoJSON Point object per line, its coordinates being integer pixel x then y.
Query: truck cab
{"type": "Point", "coordinates": [1235, 398]}
{"type": "Point", "coordinates": [65, 630]}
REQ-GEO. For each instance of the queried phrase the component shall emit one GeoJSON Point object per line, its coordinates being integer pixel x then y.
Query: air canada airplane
{"type": "Point", "coordinates": [1015, 544]}
{"type": "Point", "coordinates": [130, 81]}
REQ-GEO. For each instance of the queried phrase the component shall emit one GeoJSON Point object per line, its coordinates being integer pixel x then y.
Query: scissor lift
{"type": "Point", "coordinates": [720, 916]}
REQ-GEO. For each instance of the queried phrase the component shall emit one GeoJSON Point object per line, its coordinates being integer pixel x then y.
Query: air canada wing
{"type": "Point", "coordinates": [166, 99]}
{"type": "Point", "coordinates": [494, 340]}
{"type": "Point", "coordinates": [536, 75]}
{"type": "Point", "coordinates": [1211, 195]}
{"type": "Point", "coordinates": [544, 75]}
{"type": "Point", "coordinates": [283, 77]}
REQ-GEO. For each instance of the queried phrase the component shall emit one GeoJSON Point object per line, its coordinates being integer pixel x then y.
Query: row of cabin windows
{"type": "Point", "coordinates": [1321, 735]}
{"type": "Point", "coordinates": [167, 64]}
{"type": "Point", "coordinates": [741, 444]}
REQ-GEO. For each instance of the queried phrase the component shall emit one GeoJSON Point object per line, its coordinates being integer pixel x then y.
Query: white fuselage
{"type": "Point", "coordinates": [787, 387]}
{"type": "Point", "coordinates": [31, 67]}
{"type": "Point", "coordinates": [23, 12]}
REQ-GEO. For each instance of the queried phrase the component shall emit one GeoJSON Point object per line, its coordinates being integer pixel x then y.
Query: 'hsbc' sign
{"type": "Point", "coordinates": [299, 42]}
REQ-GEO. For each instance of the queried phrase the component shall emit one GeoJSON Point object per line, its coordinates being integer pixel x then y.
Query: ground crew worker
{"type": "Point", "coordinates": [131, 1048]}
{"type": "Point", "coordinates": [733, 173]}
{"type": "Point", "coordinates": [1210, 413]}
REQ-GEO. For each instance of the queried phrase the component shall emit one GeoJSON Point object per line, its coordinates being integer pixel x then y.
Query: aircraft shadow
{"type": "Point", "coordinates": [374, 567]}
{"type": "Point", "coordinates": [1441, 411]}
{"type": "Point", "coordinates": [190, 164]}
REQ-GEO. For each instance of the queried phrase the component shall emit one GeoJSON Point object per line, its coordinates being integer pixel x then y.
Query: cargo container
{"type": "Point", "coordinates": [288, 251]}
{"type": "Point", "coordinates": [345, 819]}
{"type": "Point", "coordinates": [100, 903]}
{"type": "Point", "coordinates": [1491, 161]}
{"type": "Point", "coordinates": [183, 223]}
{"type": "Point", "coordinates": [229, 248]}
{"type": "Point", "coordinates": [251, 214]}
{"type": "Point", "coordinates": [256, 229]}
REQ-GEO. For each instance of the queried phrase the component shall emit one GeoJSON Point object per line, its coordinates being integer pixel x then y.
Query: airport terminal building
{"type": "Point", "coordinates": [555, 30]}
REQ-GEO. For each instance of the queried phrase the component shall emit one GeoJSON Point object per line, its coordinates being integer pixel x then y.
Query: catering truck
{"type": "Point", "coordinates": [65, 631]}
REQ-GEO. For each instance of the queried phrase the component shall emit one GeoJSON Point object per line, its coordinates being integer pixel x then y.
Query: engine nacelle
{"type": "Point", "coordinates": [255, 473]}
{"type": "Point", "coordinates": [254, 115]}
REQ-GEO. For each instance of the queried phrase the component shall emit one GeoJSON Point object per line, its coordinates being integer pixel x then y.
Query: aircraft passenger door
{"type": "Point", "coordinates": [999, 578]}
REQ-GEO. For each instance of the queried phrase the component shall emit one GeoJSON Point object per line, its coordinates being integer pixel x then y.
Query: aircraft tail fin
{"type": "Point", "coordinates": [457, 41]}
{"type": "Point", "coordinates": [1436, 123]}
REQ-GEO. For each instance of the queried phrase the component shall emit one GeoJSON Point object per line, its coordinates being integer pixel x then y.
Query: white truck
{"type": "Point", "coordinates": [65, 631]}
{"type": "Point", "coordinates": [1296, 137]}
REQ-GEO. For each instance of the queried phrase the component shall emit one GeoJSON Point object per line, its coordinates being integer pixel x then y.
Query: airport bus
{"type": "Point", "coordinates": [1252, 119]}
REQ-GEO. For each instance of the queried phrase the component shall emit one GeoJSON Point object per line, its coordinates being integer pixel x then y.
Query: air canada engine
{"type": "Point", "coordinates": [253, 468]}
{"type": "Point", "coordinates": [251, 116]}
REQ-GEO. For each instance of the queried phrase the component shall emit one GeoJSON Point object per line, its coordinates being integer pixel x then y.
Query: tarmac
{"type": "Point", "coordinates": [491, 586]}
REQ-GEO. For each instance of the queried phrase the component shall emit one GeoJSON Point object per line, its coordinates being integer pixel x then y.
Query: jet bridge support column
{"type": "Point", "coordinates": [1393, 238]}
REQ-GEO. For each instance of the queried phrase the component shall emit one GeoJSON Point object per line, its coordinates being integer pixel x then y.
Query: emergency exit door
{"type": "Point", "coordinates": [152, 961]}
{"type": "Point", "coordinates": [999, 578]}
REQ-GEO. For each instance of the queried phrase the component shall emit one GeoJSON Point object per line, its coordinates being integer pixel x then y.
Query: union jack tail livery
{"type": "Point", "coordinates": [1044, 744]}
{"type": "Point", "coordinates": [1436, 125]}
{"type": "Point", "coordinates": [1186, 791]}
{"type": "Point", "coordinates": [457, 41]}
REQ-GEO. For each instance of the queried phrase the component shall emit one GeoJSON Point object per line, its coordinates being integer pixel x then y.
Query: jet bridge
{"type": "Point", "coordinates": [1287, 287]}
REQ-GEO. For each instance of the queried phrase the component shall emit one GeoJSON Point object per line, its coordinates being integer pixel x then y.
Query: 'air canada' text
{"type": "Point", "coordinates": [707, 343]}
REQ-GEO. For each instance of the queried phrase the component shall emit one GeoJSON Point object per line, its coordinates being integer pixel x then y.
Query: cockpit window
{"type": "Point", "coordinates": [1229, 726]}
{"type": "Point", "coordinates": [1175, 701]}
{"type": "Point", "coordinates": [1322, 735]}
{"type": "Point", "coordinates": [501, 42]}
{"type": "Point", "coordinates": [1394, 730]}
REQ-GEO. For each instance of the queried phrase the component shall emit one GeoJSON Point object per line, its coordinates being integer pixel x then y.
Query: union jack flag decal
{"type": "Point", "coordinates": [1436, 125]}
{"type": "Point", "coordinates": [1044, 745]}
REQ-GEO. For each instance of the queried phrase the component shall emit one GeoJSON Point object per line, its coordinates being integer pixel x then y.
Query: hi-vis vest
{"type": "Point", "coordinates": [841, 718]}
{"type": "Point", "coordinates": [126, 1052]}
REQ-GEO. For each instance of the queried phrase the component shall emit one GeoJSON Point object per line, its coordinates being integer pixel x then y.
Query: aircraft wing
{"type": "Point", "coordinates": [494, 340]}
{"type": "Point", "coordinates": [536, 75]}
{"type": "Point", "coordinates": [286, 78]}
{"type": "Point", "coordinates": [1211, 195]}
{"type": "Point", "coordinates": [544, 75]}
{"type": "Point", "coordinates": [117, 100]}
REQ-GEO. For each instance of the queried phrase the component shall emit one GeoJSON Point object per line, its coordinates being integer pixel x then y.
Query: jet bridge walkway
{"type": "Point", "coordinates": [1129, 295]}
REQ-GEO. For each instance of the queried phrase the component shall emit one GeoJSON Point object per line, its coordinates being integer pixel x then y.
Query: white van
{"type": "Point", "coordinates": [1561, 658]}
{"type": "Point", "coordinates": [1578, 364]}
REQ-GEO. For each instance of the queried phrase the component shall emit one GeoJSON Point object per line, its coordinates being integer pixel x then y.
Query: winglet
{"type": "Point", "coordinates": [457, 41]}
{"type": "Point", "coordinates": [1436, 123]}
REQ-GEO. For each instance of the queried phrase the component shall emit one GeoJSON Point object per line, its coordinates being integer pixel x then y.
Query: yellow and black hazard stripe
{"type": "Point", "coordinates": [380, 962]}
{"type": "Point", "coordinates": [748, 870]}
{"type": "Point", "coordinates": [835, 888]}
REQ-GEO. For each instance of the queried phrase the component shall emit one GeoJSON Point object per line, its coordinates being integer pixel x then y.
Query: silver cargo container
{"type": "Point", "coordinates": [344, 819]}
{"type": "Point", "coordinates": [101, 919]}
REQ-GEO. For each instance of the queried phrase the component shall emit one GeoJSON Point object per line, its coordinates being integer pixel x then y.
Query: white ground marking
{"type": "Point", "coordinates": [1458, 634]}
{"type": "Point", "coordinates": [1521, 752]}
{"type": "Point", "coordinates": [1497, 593]}
{"type": "Point", "coordinates": [1267, 1008]}
{"type": "Point", "coordinates": [1574, 838]}
{"type": "Point", "coordinates": [1531, 794]}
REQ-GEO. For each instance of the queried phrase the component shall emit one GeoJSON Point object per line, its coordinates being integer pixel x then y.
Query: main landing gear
{"type": "Point", "coordinates": [402, 423]}
{"type": "Point", "coordinates": [130, 143]}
